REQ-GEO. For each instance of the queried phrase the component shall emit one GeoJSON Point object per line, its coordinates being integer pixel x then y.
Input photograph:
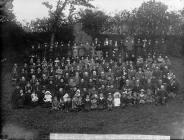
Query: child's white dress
{"type": "Point", "coordinates": [48, 98]}
{"type": "Point", "coordinates": [34, 97]}
{"type": "Point", "coordinates": [117, 101]}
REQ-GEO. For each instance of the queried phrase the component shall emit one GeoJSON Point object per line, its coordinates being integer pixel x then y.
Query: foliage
{"type": "Point", "coordinates": [63, 12]}
{"type": "Point", "coordinates": [122, 22]}
{"type": "Point", "coordinates": [38, 25]}
{"type": "Point", "coordinates": [6, 7]}
{"type": "Point", "coordinates": [152, 19]}
{"type": "Point", "coordinates": [175, 23]}
{"type": "Point", "coordinates": [80, 35]}
{"type": "Point", "coordinates": [13, 38]}
{"type": "Point", "coordinates": [182, 28]}
{"type": "Point", "coordinates": [12, 35]}
{"type": "Point", "coordinates": [94, 22]}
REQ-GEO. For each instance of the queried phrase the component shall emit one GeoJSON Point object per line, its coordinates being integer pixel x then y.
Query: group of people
{"type": "Point", "coordinates": [89, 83]}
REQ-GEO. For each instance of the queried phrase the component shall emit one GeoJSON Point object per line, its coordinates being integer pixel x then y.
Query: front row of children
{"type": "Point", "coordinates": [91, 101]}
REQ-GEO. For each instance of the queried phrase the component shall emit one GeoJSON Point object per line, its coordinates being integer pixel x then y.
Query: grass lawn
{"type": "Point", "coordinates": [141, 119]}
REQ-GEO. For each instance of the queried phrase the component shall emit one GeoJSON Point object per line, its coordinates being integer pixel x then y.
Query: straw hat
{"type": "Point", "coordinates": [47, 93]}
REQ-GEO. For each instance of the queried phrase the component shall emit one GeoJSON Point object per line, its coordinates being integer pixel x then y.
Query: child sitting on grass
{"type": "Point", "coordinates": [20, 99]}
{"type": "Point", "coordinates": [47, 99]}
{"type": "Point", "coordinates": [109, 101]}
{"type": "Point", "coordinates": [55, 104]}
{"type": "Point", "coordinates": [87, 103]}
{"type": "Point", "coordinates": [34, 99]}
{"type": "Point", "coordinates": [67, 102]}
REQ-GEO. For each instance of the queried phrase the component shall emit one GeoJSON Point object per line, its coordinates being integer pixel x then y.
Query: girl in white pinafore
{"type": "Point", "coordinates": [47, 99]}
{"type": "Point", "coordinates": [117, 99]}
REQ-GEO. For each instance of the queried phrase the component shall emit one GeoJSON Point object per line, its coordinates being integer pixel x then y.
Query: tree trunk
{"type": "Point", "coordinates": [52, 38]}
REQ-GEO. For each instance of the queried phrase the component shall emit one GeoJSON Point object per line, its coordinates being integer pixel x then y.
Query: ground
{"type": "Point", "coordinates": [141, 119]}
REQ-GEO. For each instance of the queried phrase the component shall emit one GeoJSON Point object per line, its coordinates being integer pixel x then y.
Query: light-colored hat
{"type": "Point", "coordinates": [78, 90]}
{"type": "Point", "coordinates": [77, 93]}
{"type": "Point", "coordinates": [141, 95]}
{"type": "Point", "coordinates": [142, 89]}
{"type": "Point", "coordinates": [66, 95]}
{"type": "Point", "coordinates": [47, 92]}
{"type": "Point", "coordinates": [117, 92]}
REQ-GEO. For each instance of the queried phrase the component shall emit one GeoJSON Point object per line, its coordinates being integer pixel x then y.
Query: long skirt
{"type": "Point", "coordinates": [117, 102]}
{"type": "Point", "coordinates": [101, 104]}
{"type": "Point", "coordinates": [34, 104]}
{"type": "Point", "coordinates": [20, 103]}
{"type": "Point", "coordinates": [87, 106]}
{"type": "Point", "coordinates": [109, 105]}
{"type": "Point", "coordinates": [67, 106]}
{"type": "Point", "coordinates": [94, 105]}
{"type": "Point", "coordinates": [27, 100]}
{"type": "Point", "coordinates": [47, 104]}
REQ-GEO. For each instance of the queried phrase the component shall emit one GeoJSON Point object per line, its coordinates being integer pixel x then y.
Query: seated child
{"type": "Point", "coordinates": [142, 96]}
{"type": "Point", "coordinates": [117, 101]}
{"type": "Point", "coordinates": [67, 102]}
{"type": "Point", "coordinates": [94, 101]}
{"type": "Point", "coordinates": [27, 100]}
{"type": "Point", "coordinates": [124, 101]}
{"type": "Point", "coordinates": [101, 103]}
{"type": "Point", "coordinates": [20, 99]}
{"type": "Point", "coordinates": [34, 99]}
{"type": "Point", "coordinates": [15, 96]}
{"type": "Point", "coordinates": [109, 101]}
{"type": "Point", "coordinates": [61, 103]}
{"type": "Point", "coordinates": [130, 97]}
{"type": "Point", "coordinates": [149, 96]}
{"type": "Point", "coordinates": [162, 95]}
{"type": "Point", "coordinates": [75, 101]}
{"type": "Point", "coordinates": [80, 103]}
{"type": "Point", "coordinates": [87, 103]}
{"type": "Point", "coordinates": [15, 72]}
{"type": "Point", "coordinates": [135, 97]}
{"type": "Point", "coordinates": [55, 104]}
{"type": "Point", "coordinates": [47, 99]}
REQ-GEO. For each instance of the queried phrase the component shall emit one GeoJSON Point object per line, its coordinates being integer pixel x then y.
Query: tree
{"type": "Point", "coordinates": [174, 23]}
{"type": "Point", "coordinates": [182, 20]}
{"type": "Point", "coordinates": [6, 8]}
{"type": "Point", "coordinates": [80, 35]}
{"type": "Point", "coordinates": [93, 22]}
{"type": "Point", "coordinates": [152, 19]}
{"type": "Point", "coordinates": [12, 35]}
{"type": "Point", "coordinates": [120, 20]}
{"type": "Point", "coordinates": [182, 27]}
{"type": "Point", "coordinates": [39, 25]}
{"type": "Point", "coordinates": [63, 12]}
